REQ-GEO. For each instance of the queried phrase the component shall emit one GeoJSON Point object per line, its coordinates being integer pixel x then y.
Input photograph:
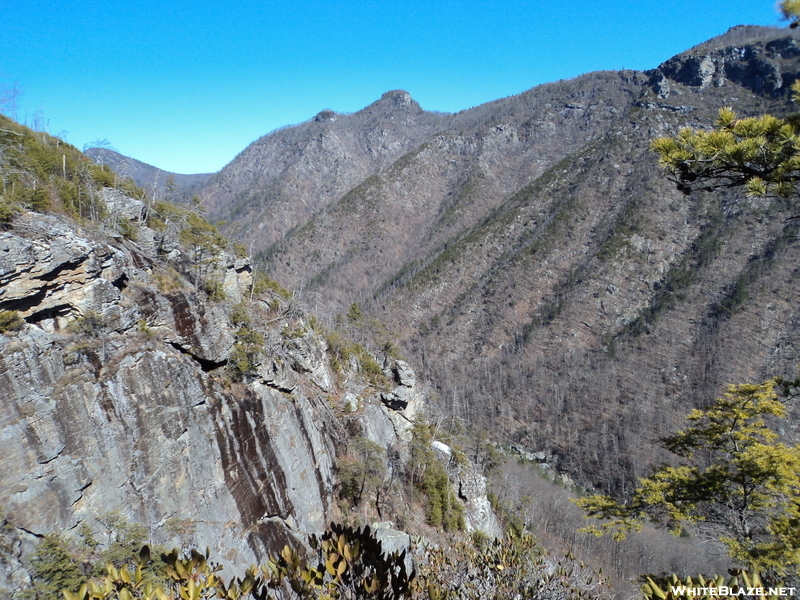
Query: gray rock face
{"type": "Point", "coordinates": [103, 421]}
{"type": "Point", "coordinates": [763, 67]}
{"type": "Point", "coordinates": [404, 397]}
{"type": "Point", "coordinates": [122, 206]}
{"type": "Point", "coordinates": [393, 540]}
{"type": "Point", "coordinates": [471, 488]}
{"type": "Point", "coordinates": [478, 511]}
{"type": "Point", "coordinates": [115, 398]}
{"type": "Point", "coordinates": [50, 273]}
{"type": "Point", "coordinates": [404, 374]}
{"type": "Point", "coordinates": [111, 419]}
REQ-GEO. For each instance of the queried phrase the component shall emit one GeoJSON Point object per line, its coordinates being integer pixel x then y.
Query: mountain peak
{"type": "Point", "coordinates": [325, 115]}
{"type": "Point", "coordinates": [400, 98]}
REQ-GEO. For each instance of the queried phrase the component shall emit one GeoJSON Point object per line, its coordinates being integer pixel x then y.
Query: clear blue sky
{"type": "Point", "coordinates": [187, 85]}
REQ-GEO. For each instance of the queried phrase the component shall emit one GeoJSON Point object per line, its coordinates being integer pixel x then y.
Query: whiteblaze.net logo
{"type": "Point", "coordinates": [723, 591]}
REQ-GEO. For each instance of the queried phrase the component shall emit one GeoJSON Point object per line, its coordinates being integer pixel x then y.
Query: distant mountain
{"type": "Point", "coordinates": [146, 176]}
{"type": "Point", "coordinates": [532, 256]}
{"type": "Point", "coordinates": [282, 179]}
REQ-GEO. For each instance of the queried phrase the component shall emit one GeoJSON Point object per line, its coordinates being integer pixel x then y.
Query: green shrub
{"type": "Point", "coordinates": [443, 509]}
{"type": "Point", "coordinates": [344, 563]}
{"type": "Point", "coordinates": [361, 473]}
{"type": "Point", "coordinates": [39, 200]}
{"type": "Point", "coordinates": [10, 321]}
{"type": "Point", "coordinates": [128, 538]}
{"type": "Point", "coordinates": [513, 567]}
{"type": "Point", "coordinates": [370, 367]}
{"type": "Point", "coordinates": [355, 315]}
{"type": "Point", "coordinates": [341, 350]}
{"type": "Point", "coordinates": [214, 290]}
{"type": "Point", "coordinates": [129, 187]}
{"type": "Point", "coordinates": [245, 352]}
{"type": "Point", "coordinates": [54, 567]}
{"type": "Point", "coordinates": [7, 210]}
{"type": "Point", "coordinates": [145, 329]}
{"type": "Point", "coordinates": [102, 175]}
{"type": "Point", "coordinates": [240, 316]}
{"type": "Point", "coordinates": [128, 229]}
{"type": "Point", "coordinates": [168, 280]}
{"type": "Point", "coordinates": [263, 283]}
{"type": "Point", "coordinates": [239, 250]}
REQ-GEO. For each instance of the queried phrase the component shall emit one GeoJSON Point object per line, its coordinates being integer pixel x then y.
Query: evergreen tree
{"type": "Point", "coordinates": [735, 482]}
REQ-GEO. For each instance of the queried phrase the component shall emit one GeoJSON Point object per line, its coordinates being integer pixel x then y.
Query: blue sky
{"type": "Point", "coordinates": [187, 85]}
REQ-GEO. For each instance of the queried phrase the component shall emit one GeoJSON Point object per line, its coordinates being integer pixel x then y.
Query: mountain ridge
{"type": "Point", "coordinates": [291, 153]}
{"type": "Point", "coordinates": [156, 181]}
{"type": "Point", "coordinates": [493, 246]}
{"type": "Point", "coordinates": [532, 239]}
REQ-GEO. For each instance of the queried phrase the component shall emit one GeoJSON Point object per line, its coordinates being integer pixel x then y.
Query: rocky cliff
{"type": "Point", "coordinates": [120, 394]}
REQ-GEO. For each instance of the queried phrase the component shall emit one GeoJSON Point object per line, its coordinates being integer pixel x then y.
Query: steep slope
{"type": "Point", "coordinates": [445, 186]}
{"type": "Point", "coordinates": [596, 306]}
{"type": "Point", "coordinates": [559, 290]}
{"type": "Point", "coordinates": [148, 378]}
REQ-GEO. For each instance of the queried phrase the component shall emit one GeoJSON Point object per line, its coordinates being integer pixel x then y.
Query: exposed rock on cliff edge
{"type": "Point", "coordinates": [119, 395]}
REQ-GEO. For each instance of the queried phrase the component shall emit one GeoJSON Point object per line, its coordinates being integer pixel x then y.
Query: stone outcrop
{"type": "Point", "coordinates": [470, 486]}
{"type": "Point", "coordinates": [114, 400]}
{"type": "Point", "coordinates": [765, 67]}
{"type": "Point", "coordinates": [117, 398]}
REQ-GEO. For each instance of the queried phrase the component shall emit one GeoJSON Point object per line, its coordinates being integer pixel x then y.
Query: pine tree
{"type": "Point", "coordinates": [734, 482]}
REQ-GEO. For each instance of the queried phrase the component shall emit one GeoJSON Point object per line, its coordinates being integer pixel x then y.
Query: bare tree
{"type": "Point", "coordinates": [9, 98]}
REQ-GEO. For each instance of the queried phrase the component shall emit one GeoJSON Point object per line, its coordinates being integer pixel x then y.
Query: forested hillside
{"type": "Point", "coordinates": [534, 260]}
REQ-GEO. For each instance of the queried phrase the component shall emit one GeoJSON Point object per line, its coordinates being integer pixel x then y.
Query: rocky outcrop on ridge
{"type": "Point", "coordinates": [117, 397]}
{"type": "Point", "coordinates": [751, 60]}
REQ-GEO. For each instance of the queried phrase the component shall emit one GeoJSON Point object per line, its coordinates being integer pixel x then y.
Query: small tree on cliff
{"type": "Point", "coordinates": [204, 244]}
{"type": "Point", "coordinates": [735, 482]}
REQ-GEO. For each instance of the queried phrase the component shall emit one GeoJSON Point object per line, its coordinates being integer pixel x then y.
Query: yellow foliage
{"type": "Point", "coordinates": [736, 476]}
